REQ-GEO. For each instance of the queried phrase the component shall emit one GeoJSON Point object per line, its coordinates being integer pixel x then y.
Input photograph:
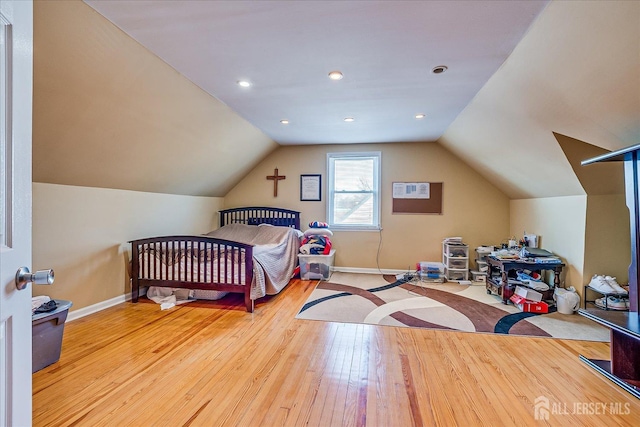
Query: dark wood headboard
{"type": "Point", "coordinates": [260, 215]}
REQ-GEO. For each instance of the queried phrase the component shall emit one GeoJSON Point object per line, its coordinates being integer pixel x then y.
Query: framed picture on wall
{"type": "Point", "coordinates": [311, 188]}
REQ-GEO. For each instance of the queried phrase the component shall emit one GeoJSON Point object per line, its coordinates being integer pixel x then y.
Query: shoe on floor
{"type": "Point", "coordinates": [615, 286]}
{"type": "Point", "coordinates": [612, 303]}
{"type": "Point", "coordinates": [617, 303]}
{"type": "Point", "coordinates": [601, 285]}
{"type": "Point", "coordinates": [538, 286]}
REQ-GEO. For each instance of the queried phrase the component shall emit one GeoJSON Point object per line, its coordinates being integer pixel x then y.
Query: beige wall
{"type": "Point", "coordinates": [608, 241]}
{"type": "Point", "coordinates": [589, 233]}
{"type": "Point", "coordinates": [82, 234]}
{"type": "Point", "coordinates": [560, 224]}
{"type": "Point", "coordinates": [472, 208]}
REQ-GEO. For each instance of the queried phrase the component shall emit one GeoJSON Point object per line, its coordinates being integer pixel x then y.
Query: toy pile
{"type": "Point", "coordinates": [317, 239]}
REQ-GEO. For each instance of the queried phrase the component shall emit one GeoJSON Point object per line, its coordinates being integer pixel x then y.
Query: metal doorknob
{"type": "Point", "coordinates": [40, 277]}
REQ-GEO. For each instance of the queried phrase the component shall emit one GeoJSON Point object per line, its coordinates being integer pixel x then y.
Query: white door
{"type": "Point", "coordinates": [16, 82]}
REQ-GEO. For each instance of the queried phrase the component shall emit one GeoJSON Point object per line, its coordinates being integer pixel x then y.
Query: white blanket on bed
{"type": "Point", "coordinates": [275, 254]}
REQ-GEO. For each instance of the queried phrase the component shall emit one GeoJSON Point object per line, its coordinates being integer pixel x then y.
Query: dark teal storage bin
{"type": "Point", "coordinates": [47, 331]}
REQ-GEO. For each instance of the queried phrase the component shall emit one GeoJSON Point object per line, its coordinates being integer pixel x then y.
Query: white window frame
{"type": "Point", "coordinates": [331, 157]}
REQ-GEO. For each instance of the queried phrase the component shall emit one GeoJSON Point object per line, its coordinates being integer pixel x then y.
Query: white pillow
{"type": "Point", "coordinates": [318, 232]}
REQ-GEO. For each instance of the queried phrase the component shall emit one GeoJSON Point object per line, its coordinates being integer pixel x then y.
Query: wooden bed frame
{"type": "Point", "coordinates": [171, 276]}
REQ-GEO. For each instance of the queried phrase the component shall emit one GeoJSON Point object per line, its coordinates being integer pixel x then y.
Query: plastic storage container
{"type": "Point", "coordinates": [316, 267]}
{"type": "Point", "coordinates": [455, 250]}
{"type": "Point", "coordinates": [455, 257]}
{"type": "Point", "coordinates": [457, 264]}
{"type": "Point", "coordinates": [479, 276]}
{"type": "Point", "coordinates": [430, 271]}
{"type": "Point", "coordinates": [451, 274]}
{"type": "Point", "coordinates": [47, 330]}
{"type": "Point", "coordinates": [482, 252]}
{"type": "Point", "coordinates": [482, 266]}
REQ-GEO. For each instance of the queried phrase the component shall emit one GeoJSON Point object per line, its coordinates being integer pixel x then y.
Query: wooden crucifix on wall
{"type": "Point", "coordinates": [275, 178]}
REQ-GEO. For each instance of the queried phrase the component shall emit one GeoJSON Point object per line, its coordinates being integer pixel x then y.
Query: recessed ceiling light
{"type": "Point", "coordinates": [284, 122]}
{"type": "Point", "coordinates": [335, 75]}
{"type": "Point", "coordinates": [420, 116]}
{"type": "Point", "coordinates": [439, 69]}
{"type": "Point", "coordinates": [349, 119]}
{"type": "Point", "coordinates": [244, 83]}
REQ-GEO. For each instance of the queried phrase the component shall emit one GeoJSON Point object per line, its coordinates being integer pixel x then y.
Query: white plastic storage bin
{"type": "Point", "coordinates": [455, 275]}
{"type": "Point", "coordinates": [457, 264]}
{"type": "Point", "coordinates": [482, 252]}
{"type": "Point", "coordinates": [455, 250]}
{"type": "Point", "coordinates": [479, 276]}
{"type": "Point", "coordinates": [316, 267]}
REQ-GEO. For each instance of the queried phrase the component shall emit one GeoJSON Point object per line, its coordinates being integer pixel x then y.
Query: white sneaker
{"type": "Point", "coordinates": [616, 303]}
{"type": "Point", "coordinates": [614, 285]}
{"type": "Point", "coordinates": [538, 286]}
{"type": "Point", "coordinates": [612, 303]}
{"type": "Point", "coordinates": [601, 285]}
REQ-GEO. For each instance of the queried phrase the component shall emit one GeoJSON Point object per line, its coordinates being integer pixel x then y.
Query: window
{"type": "Point", "coordinates": [353, 201]}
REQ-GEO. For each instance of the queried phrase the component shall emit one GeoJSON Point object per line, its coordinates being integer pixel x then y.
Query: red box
{"type": "Point", "coordinates": [529, 306]}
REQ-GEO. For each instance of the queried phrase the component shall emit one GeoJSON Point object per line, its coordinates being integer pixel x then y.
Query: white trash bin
{"type": "Point", "coordinates": [567, 300]}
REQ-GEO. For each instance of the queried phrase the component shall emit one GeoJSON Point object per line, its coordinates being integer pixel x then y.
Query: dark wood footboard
{"type": "Point", "coordinates": [192, 262]}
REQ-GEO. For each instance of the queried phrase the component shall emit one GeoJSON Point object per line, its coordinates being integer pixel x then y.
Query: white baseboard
{"type": "Point", "coordinates": [77, 314]}
{"type": "Point", "coordinates": [85, 311]}
{"type": "Point", "coordinates": [367, 270]}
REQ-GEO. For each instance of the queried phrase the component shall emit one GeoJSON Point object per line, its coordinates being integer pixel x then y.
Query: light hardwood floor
{"type": "Point", "coordinates": [210, 364]}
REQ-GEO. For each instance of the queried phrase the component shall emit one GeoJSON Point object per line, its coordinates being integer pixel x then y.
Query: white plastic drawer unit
{"type": "Point", "coordinates": [456, 274]}
{"type": "Point", "coordinates": [457, 263]}
{"type": "Point", "coordinates": [456, 251]}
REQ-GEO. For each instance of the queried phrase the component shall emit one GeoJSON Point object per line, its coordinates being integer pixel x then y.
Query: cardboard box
{"type": "Point", "coordinates": [529, 306]}
{"type": "Point", "coordinates": [528, 294]}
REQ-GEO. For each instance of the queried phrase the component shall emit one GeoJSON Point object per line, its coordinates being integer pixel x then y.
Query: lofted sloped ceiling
{"type": "Point", "coordinates": [150, 103]}
{"type": "Point", "coordinates": [385, 50]}
{"type": "Point", "coordinates": [109, 113]}
{"type": "Point", "coordinates": [575, 73]}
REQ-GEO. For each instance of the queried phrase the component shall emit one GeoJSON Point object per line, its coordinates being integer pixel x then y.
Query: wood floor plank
{"type": "Point", "coordinates": [214, 364]}
{"type": "Point", "coordinates": [357, 381]}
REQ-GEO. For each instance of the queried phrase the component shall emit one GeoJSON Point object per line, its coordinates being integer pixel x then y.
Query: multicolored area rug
{"type": "Point", "coordinates": [383, 300]}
